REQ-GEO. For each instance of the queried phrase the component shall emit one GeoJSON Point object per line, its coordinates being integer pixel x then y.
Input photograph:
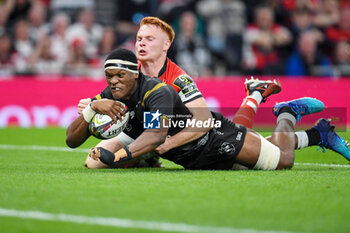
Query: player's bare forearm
{"type": "Point", "coordinates": [148, 141]}
{"type": "Point", "coordinates": [77, 132]}
{"type": "Point", "coordinates": [183, 137]}
{"type": "Point", "coordinates": [200, 112]}
{"type": "Point", "coordinates": [145, 143]}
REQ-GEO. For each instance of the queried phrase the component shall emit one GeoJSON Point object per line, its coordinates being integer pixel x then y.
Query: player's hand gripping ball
{"type": "Point", "coordinates": [102, 126]}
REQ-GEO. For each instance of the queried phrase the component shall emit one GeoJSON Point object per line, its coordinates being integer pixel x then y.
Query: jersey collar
{"type": "Point", "coordinates": [135, 96]}
{"type": "Point", "coordinates": [162, 71]}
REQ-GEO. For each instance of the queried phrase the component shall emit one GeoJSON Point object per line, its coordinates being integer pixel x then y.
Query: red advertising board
{"type": "Point", "coordinates": [32, 102]}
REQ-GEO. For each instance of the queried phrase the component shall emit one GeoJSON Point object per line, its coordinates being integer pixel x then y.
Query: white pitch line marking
{"type": "Point", "coordinates": [322, 164]}
{"type": "Point", "coordinates": [123, 223]}
{"type": "Point", "coordinates": [81, 150]}
{"type": "Point", "coordinates": [40, 148]}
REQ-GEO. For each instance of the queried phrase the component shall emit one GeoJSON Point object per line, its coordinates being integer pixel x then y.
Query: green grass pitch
{"type": "Point", "coordinates": [307, 198]}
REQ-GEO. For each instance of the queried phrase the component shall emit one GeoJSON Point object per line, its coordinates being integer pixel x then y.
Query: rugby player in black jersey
{"type": "Point", "coordinates": [222, 146]}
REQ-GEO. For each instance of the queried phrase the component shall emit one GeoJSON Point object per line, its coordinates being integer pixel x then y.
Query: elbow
{"type": "Point", "coordinates": [69, 138]}
{"type": "Point", "coordinates": [70, 143]}
{"type": "Point", "coordinates": [76, 133]}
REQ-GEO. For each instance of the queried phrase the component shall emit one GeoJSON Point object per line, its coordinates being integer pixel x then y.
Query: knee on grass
{"type": "Point", "coordinates": [286, 160]}
{"type": "Point", "coordinates": [94, 164]}
{"type": "Point", "coordinates": [269, 157]}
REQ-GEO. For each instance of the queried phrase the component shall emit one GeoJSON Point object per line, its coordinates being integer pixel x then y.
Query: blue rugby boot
{"type": "Point", "coordinates": [330, 139]}
{"type": "Point", "coordinates": [300, 107]}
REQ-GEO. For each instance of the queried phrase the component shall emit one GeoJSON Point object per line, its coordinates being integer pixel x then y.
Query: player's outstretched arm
{"type": "Point", "coordinates": [148, 141]}
{"type": "Point", "coordinates": [200, 112]}
{"type": "Point", "coordinates": [145, 143]}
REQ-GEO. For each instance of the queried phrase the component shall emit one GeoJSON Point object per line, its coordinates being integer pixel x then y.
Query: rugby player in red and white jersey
{"type": "Point", "coordinates": [153, 41]}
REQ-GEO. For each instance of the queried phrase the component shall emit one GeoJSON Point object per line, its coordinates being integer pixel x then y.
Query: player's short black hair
{"type": "Point", "coordinates": [122, 54]}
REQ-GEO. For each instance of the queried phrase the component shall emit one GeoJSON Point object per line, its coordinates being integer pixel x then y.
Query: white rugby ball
{"type": "Point", "coordinates": [102, 126]}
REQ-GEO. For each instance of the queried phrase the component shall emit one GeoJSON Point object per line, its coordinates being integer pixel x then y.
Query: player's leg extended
{"type": "Point", "coordinates": [278, 153]}
{"type": "Point", "coordinates": [323, 134]}
{"type": "Point", "coordinates": [291, 111]}
{"type": "Point", "coordinates": [258, 153]}
{"type": "Point", "coordinates": [257, 92]}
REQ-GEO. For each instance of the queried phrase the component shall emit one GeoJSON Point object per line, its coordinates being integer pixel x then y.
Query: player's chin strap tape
{"type": "Point", "coordinates": [109, 158]}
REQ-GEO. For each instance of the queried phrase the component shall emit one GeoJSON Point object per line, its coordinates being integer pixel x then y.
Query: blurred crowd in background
{"type": "Point", "coordinates": [213, 37]}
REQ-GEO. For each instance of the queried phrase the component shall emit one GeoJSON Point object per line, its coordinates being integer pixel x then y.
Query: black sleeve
{"type": "Point", "coordinates": [162, 99]}
{"type": "Point", "coordinates": [134, 128]}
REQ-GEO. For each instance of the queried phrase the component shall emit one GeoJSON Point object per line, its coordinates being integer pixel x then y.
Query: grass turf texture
{"type": "Point", "coordinates": [307, 198]}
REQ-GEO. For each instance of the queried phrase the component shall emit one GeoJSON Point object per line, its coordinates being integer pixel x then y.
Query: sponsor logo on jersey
{"type": "Point", "coordinates": [227, 148]}
{"type": "Point", "coordinates": [239, 136]}
{"type": "Point", "coordinates": [132, 114]}
{"type": "Point", "coordinates": [186, 85]}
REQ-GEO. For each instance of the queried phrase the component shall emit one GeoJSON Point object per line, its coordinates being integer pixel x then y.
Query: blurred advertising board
{"type": "Point", "coordinates": [42, 102]}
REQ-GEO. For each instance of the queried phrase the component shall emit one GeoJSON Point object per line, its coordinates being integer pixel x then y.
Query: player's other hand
{"type": "Point", "coordinates": [112, 108]}
{"type": "Point", "coordinates": [94, 153]}
{"type": "Point", "coordinates": [82, 104]}
{"type": "Point", "coordinates": [163, 148]}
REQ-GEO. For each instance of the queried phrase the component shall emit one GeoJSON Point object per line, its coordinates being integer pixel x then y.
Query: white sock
{"type": "Point", "coordinates": [303, 139]}
{"type": "Point", "coordinates": [251, 102]}
{"type": "Point", "coordinates": [287, 116]}
{"type": "Point", "coordinates": [256, 95]}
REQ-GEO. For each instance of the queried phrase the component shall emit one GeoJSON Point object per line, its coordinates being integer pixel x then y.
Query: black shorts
{"type": "Point", "coordinates": [215, 150]}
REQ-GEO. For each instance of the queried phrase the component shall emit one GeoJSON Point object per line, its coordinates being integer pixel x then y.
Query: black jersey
{"type": "Point", "coordinates": [151, 95]}
{"type": "Point", "coordinates": [220, 144]}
